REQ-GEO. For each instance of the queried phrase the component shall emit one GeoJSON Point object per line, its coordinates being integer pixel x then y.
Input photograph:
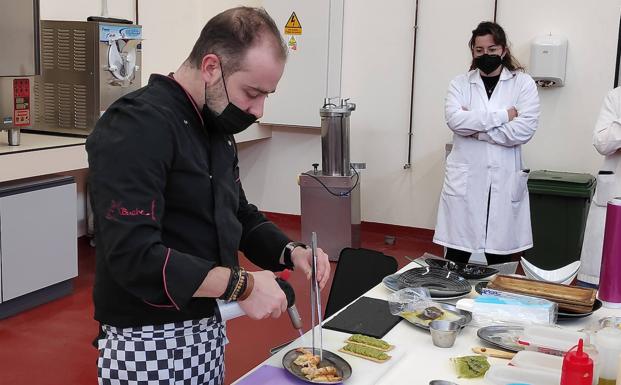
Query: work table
{"type": "Point", "coordinates": [415, 360]}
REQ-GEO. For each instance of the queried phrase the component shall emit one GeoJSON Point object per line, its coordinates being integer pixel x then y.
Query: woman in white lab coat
{"type": "Point", "coordinates": [607, 141]}
{"type": "Point", "coordinates": [492, 110]}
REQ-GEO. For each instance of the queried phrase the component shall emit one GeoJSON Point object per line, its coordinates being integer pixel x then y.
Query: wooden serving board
{"type": "Point", "coordinates": [569, 298]}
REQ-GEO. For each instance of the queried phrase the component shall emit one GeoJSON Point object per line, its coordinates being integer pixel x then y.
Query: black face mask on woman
{"type": "Point", "coordinates": [232, 120]}
{"type": "Point", "coordinates": [487, 63]}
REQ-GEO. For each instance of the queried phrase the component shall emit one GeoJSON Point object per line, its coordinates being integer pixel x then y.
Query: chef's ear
{"type": "Point", "coordinates": [210, 69]}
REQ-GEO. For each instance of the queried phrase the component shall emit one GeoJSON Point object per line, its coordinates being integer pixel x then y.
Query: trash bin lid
{"type": "Point", "coordinates": [560, 183]}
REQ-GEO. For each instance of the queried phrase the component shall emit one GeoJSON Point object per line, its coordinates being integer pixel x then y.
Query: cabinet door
{"type": "Point", "coordinates": [313, 67]}
{"type": "Point", "coordinates": [38, 239]}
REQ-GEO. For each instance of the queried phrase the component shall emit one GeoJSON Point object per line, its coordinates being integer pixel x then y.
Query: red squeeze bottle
{"type": "Point", "coordinates": [577, 367]}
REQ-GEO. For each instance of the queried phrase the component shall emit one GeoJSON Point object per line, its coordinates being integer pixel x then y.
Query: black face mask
{"type": "Point", "coordinates": [487, 63]}
{"type": "Point", "coordinates": [232, 120]}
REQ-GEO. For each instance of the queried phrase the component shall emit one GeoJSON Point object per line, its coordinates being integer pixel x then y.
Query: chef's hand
{"type": "Point", "coordinates": [302, 259]}
{"type": "Point", "coordinates": [266, 298]}
{"type": "Point", "coordinates": [512, 113]}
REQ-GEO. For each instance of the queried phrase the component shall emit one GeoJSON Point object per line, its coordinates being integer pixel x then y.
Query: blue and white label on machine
{"type": "Point", "coordinates": [108, 32]}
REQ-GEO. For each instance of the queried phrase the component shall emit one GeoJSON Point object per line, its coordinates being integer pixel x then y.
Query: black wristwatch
{"type": "Point", "coordinates": [289, 247]}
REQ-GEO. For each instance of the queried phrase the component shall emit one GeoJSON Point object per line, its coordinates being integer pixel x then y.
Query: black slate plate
{"type": "Point", "coordinates": [441, 283]}
{"type": "Point", "coordinates": [466, 270]}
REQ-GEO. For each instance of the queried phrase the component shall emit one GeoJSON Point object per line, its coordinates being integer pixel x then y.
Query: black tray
{"type": "Point", "coordinates": [368, 316]}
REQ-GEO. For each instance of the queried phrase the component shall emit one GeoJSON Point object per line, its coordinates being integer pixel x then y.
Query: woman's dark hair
{"type": "Point", "coordinates": [231, 33]}
{"type": "Point", "coordinates": [500, 38]}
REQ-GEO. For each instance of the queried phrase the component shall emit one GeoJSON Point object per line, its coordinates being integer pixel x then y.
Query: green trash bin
{"type": "Point", "coordinates": [559, 205]}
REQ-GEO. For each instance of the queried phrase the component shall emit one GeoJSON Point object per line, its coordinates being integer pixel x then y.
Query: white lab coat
{"type": "Point", "coordinates": [489, 161]}
{"type": "Point", "coordinates": [607, 141]}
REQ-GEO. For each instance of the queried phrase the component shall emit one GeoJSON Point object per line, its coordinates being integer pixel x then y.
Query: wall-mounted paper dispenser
{"type": "Point", "coordinates": [548, 59]}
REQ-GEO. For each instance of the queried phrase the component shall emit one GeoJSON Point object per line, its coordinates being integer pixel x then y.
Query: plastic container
{"type": "Point", "coordinates": [502, 375]}
{"type": "Point", "coordinates": [559, 205]}
{"type": "Point", "coordinates": [495, 306]}
{"type": "Point", "coordinates": [551, 340]}
{"type": "Point", "coordinates": [608, 343]}
{"type": "Point", "coordinates": [577, 367]}
{"type": "Point", "coordinates": [539, 361]}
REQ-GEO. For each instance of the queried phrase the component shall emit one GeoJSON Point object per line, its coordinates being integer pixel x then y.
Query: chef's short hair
{"type": "Point", "coordinates": [231, 33]}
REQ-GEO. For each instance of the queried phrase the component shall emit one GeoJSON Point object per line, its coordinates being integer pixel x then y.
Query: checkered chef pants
{"type": "Point", "coordinates": [182, 353]}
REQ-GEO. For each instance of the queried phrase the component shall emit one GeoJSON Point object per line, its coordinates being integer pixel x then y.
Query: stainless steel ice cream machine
{"type": "Point", "coordinates": [60, 76]}
{"type": "Point", "coordinates": [85, 67]}
{"type": "Point", "coordinates": [19, 63]}
{"type": "Point", "coordinates": [330, 197]}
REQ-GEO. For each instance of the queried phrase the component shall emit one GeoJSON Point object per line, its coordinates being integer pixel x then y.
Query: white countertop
{"type": "Point", "coordinates": [40, 154]}
{"type": "Point", "coordinates": [33, 142]}
{"type": "Point", "coordinates": [415, 360]}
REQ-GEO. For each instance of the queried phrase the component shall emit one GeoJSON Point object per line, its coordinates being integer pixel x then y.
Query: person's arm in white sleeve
{"type": "Point", "coordinates": [464, 122]}
{"type": "Point", "coordinates": [521, 129]}
{"type": "Point", "coordinates": [607, 133]}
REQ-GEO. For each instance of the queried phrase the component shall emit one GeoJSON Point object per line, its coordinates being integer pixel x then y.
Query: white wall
{"type": "Point", "coordinates": [377, 63]}
{"type": "Point", "coordinates": [377, 59]}
{"type": "Point", "coordinates": [563, 141]}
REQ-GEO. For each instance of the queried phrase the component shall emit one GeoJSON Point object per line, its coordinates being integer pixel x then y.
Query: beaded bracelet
{"type": "Point", "coordinates": [240, 284]}
{"type": "Point", "coordinates": [248, 289]}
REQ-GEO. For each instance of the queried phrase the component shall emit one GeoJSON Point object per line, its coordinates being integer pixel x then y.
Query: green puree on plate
{"type": "Point", "coordinates": [471, 366]}
{"type": "Point", "coordinates": [366, 351]}
{"type": "Point", "coordinates": [376, 343]}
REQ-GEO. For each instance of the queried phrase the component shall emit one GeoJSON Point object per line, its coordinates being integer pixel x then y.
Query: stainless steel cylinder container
{"type": "Point", "coordinates": [335, 115]}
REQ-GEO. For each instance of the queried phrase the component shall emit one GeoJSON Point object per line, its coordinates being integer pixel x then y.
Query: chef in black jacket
{"type": "Point", "coordinates": [171, 214]}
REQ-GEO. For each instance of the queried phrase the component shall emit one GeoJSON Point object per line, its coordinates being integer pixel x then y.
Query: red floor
{"type": "Point", "coordinates": [51, 344]}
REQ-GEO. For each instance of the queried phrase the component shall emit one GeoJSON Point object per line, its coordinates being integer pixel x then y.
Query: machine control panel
{"type": "Point", "coordinates": [21, 102]}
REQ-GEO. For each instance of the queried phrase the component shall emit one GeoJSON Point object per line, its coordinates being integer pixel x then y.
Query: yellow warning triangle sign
{"type": "Point", "coordinates": [293, 26]}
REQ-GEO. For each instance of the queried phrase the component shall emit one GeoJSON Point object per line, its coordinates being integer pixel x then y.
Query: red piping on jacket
{"type": "Point", "coordinates": [164, 279]}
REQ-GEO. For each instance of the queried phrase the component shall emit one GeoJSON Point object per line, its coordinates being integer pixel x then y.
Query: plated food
{"type": "Point", "coordinates": [372, 342]}
{"type": "Point", "coordinates": [309, 366]}
{"type": "Point", "coordinates": [440, 312]}
{"type": "Point", "coordinates": [303, 364]}
{"type": "Point", "coordinates": [470, 366]}
{"type": "Point", "coordinates": [370, 348]}
{"type": "Point", "coordinates": [365, 352]}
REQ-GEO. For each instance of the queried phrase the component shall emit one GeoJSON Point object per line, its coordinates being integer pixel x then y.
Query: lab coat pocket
{"type": "Point", "coordinates": [456, 179]}
{"type": "Point", "coordinates": [520, 186]}
{"type": "Point", "coordinates": [605, 189]}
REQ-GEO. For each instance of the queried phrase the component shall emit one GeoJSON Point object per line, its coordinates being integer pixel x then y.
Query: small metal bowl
{"type": "Point", "coordinates": [444, 333]}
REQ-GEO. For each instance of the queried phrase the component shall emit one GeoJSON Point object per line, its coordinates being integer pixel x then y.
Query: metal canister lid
{"type": "Point", "coordinates": [333, 106]}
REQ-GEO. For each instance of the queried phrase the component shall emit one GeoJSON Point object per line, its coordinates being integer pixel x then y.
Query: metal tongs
{"type": "Point", "coordinates": [316, 318]}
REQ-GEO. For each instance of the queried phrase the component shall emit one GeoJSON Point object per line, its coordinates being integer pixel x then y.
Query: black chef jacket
{"type": "Point", "coordinates": [168, 207]}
